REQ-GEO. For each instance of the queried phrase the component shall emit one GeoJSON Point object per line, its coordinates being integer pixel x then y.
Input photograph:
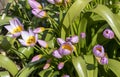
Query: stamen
{"type": "Point", "coordinates": [99, 49]}
{"type": "Point", "coordinates": [17, 29]}
{"type": "Point", "coordinates": [31, 40]}
{"type": "Point", "coordinates": [67, 46]}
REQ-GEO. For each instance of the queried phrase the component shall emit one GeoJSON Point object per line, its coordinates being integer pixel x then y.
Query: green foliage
{"type": "Point", "coordinates": [63, 20]}
{"type": "Point", "coordinates": [8, 64]}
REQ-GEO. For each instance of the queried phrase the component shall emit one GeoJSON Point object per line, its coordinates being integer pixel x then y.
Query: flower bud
{"type": "Point", "coordinates": [108, 33]}
{"type": "Point", "coordinates": [82, 35]}
{"type": "Point", "coordinates": [39, 29]}
{"type": "Point", "coordinates": [35, 58]}
{"type": "Point", "coordinates": [39, 13]}
{"type": "Point", "coordinates": [104, 60]}
{"type": "Point", "coordinates": [98, 50]}
{"type": "Point", "coordinates": [51, 1]}
{"type": "Point", "coordinates": [60, 65]}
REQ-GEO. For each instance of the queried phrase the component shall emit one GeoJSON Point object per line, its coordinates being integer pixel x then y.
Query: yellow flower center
{"type": "Point", "coordinates": [67, 46]}
{"type": "Point", "coordinates": [17, 29]}
{"type": "Point", "coordinates": [31, 40]}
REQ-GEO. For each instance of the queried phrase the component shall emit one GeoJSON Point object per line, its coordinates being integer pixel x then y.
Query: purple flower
{"type": "Point", "coordinates": [108, 33]}
{"type": "Point", "coordinates": [56, 54]}
{"type": "Point", "coordinates": [65, 75]}
{"type": "Point", "coordinates": [60, 41]}
{"type": "Point", "coordinates": [58, 1]}
{"type": "Point", "coordinates": [98, 50]}
{"type": "Point", "coordinates": [43, 43]}
{"type": "Point", "coordinates": [51, 1]}
{"type": "Point", "coordinates": [39, 29]}
{"type": "Point", "coordinates": [15, 27]}
{"type": "Point", "coordinates": [29, 38]}
{"type": "Point", "coordinates": [36, 57]}
{"type": "Point", "coordinates": [73, 39]}
{"type": "Point", "coordinates": [34, 4]}
{"type": "Point", "coordinates": [39, 13]}
{"type": "Point", "coordinates": [82, 35]}
{"type": "Point", "coordinates": [60, 65]}
{"type": "Point", "coordinates": [104, 60]}
{"type": "Point", "coordinates": [66, 48]}
{"type": "Point", "coordinates": [47, 65]}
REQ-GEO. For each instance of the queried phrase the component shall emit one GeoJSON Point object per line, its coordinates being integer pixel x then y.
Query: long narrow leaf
{"type": "Point", "coordinates": [112, 20]}
{"type": "Point", "coordinates": [74, 11]}
{"type": "Point", "coordinates": [8, 64]}
{"type": "Point", "coordinates": [80, 66]}
{"type": "Point", "coordinates": [114, 65]}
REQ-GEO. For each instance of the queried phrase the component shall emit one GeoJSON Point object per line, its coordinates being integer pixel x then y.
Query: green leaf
{"type": "Point", "coordinates": [26, 52]}
{"type": "Point", "coordinates": [28, 69]}
{"type": "Point", "coordinates": [92, 70]}
{"type": "Point", "coordinates": [46, 73]}
{"type": "Point", "coordinates": [80, 66]}
{"type": "Point", "coordinates": [74, 11]}
{"type": "Point", "coordinates": [114, 65]}
{"type": "Point", "coordinates": [5, 44]}
{"type": "Point", "coordinates": [4, 74]}
{"type": "Point", "coordinates": [5, 20]}
{"type": "Point", "coordinates": [112, 20]}
{"type": "Point", "coordinates": [8, 64]}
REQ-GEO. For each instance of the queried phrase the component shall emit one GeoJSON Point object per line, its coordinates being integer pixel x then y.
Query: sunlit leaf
{"type": "Point", "coordinates": [92, 70]}
{"type": "Point", "coordinates": [8, 64]}
{"type": "Point", "coordinates": [4, 74]}
{"type": "Point", "coordinates": [74, 11]}
{"type": "Point", "coordinates": [112, 20]}
{"type": "Point", "coordinates": [114, 66]}
{"type": "Point", "coordinates": [28, 69]}
{"type": "Point", "coordinates": [5, 20]}
{"type": "Point", "coordinates": [26, 52]}
{"type": "Point", "coordinates": [80, 66]}
{"type": "Point", "coordinates": [46, 73]}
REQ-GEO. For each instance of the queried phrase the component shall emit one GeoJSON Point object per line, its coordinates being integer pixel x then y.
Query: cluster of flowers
{"type": "Point", "coordinates": [66, 47]}
{"type": "Point", "coordinates": [98, 50]}
{"type": "Point", "coordinates": [37, 9]}
{"type": "Point", "coordinates": [29, 38]}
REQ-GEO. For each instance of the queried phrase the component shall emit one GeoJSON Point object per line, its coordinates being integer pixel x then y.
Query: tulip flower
{"type": "Point", "coordinates": [36, 57]}
{"type": "Point", "coordinates": [42, 43]}
{"type": "Point", "coordinates": [82, 35]}
{"type": "Point", "coordinates": [60, 41]}
{"type": "Point", "coordinates": [108, 33]}
{"type": "Point", "coordinates": [29, 38]}
{"type": "Point", "coordinates": [104, 60]}
{"type": "Point", "coordinates": [66, 48]}
{"type": "Point", "coordinates": [39, 13]}
{"type": "Point", "coordinates": [15, 27]}
{"type": "Point", "coordinates": [56, 54]}
{"type": "Point", "coordinates": [60, 65]}
{"type": "Point", "coordinates": [39, 30]}
{"type": "Point", "coordinates": [98, 50]}
{"type": "Point", "coordinates": [34, 4]}
{"type": "Point", "coordinates": [73, 39]}
{"type": "Point", "coordinates": [51, 1]}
